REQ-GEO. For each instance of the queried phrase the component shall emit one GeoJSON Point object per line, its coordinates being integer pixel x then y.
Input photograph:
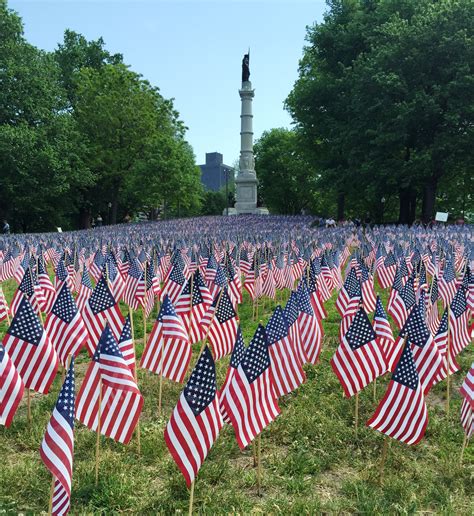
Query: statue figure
{"type": "Point", "coordinates": [245, 67]}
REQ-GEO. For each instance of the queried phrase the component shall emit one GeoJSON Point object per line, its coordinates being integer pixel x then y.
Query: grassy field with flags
{"type": "Point", "coordinates": [313, 459]}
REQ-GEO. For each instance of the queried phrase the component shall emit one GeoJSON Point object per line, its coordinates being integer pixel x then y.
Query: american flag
{"type": "Point", "coordinates": [359, 359]}
{"type": "Point", "coordinates": [268, 286]}
{"type": "Point", "coordinates": [134, 285]}
{"type": "Point", "coordinates": [367, 290]}
{"type": "Point", "coordinates": [196, 420]}
{"type": "Point", "coordinates": [310, 329]}
{"type": "Point", "coordinates": [126, 345]}
{"type": "Point", "coordinates": [11, 388]}
{"type": "Point", "coordinates": [467, 409]}
{"type": "Point", "coordinates": [441, 341]}
{"type": "Point", "coordinates": [192, 313]}
{"type": "Point", "coordinates": [349, 296]}
{"type": "Point", "coordinates": [403, 303]}
{"type": "Point", "coordinates": [383, 330]}
{"type": "Point", "coordinates": [235, 359]}
{"type": "Point", "coordinates": [235, 285]}
{"type": "Point", "coordinates": [459, 322]}
{"type": "Point", "coordinates": [62, 276]}
{"type": "Point", "coordinates": [85, 290]}
{"type": "Point", "coordinates": [109, 379]}
{"type": "Point", "coordinates": [223, 325]}
{"type": "Point", "coordinates": [115, 279]}
{"type": "Point", "coordinates": [468, 284]}
{"type": "Point", "coordinates": [219, 282]}
{"type": "Point", "coordinates": [286, 366]}
{"type": "Point", "coordinates": [65, 326]}
{"type": "Point", "coordinates": [27, 289]}
{"type": "Point", "coordinates": [402, 413]}
{"type": "Point", "coordinates": [101, 308]}
{"type": "Point", "coordinates": [168, 350]}
{"type": "Point", "coordinates": [57, 448]}
{"type": "Point", "coordinates": [30, 349]}
{"type": "Point", "coordinates": [4, 309]}
{"type": "Point", "coordinates": [175, 281]}
{"type": "Point", "coordinates": [316, 299]}
{"type": "Point", "coordinates": [48, 291]}
{"type": "Point", "coordinates": [428, 360]}
{"type": "Point", "coordinates": [433, 314]}
{"type": "Point", "coordinates": [447, 284]}
{"type": "Point", "coordinates": [291, 312]}
{"type": "Point", "coordinates": [250, 400]}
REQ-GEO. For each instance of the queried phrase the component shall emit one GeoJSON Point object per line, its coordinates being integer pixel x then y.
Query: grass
{"type": "Point", "coordinates": [312, 459]}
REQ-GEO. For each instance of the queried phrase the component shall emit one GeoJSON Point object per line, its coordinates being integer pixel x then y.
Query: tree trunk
{"type": "Point", "coordinates": [429, 199]}
{"type": "Point", "coordinates": [404, 198]}
{"type": "Point", "coordinates": [341, 201]}
{"type": "Point", "coordinates": [412, 207]}
{"type": "Point", "coordinates": [84, 219]}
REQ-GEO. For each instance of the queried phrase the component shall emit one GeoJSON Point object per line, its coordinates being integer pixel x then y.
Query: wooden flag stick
{"type": "Point", "coordinates": [375, 390]}
{"type": "Point", "coordinates": [448, 362]}
{"type": "Point", "coordinates": [254, 453]}
{"type": "Point", "coordinates": [144, 313]}
{"type": "Point", "coordinates": [136, 380]}
{"type": "Point", "coordinates": [356, 421]}
{"type": "Point", "coordinates": [28, 405]}
{"type": "Point", "coordinates": [191, 499]}
{"type": "Point", "coordinates": [51, 493]}
{"type": "Point", "coordinates": [161, 379]}
{"type": "Point", "coordinates": [97, 442]}
{"type": "Point", "coordinates": [383, 458]}
{"type": "Point", "coordinates": [259, 464]}
{"type": "Point", "coordinates": [464, 444]}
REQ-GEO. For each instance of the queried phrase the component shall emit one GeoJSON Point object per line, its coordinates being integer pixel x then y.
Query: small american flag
{"type": "Point", "coordinates": [467, 409]}
{"type": "Point", "coordinates": [250, 400]}
{"type": "Point", "coordinates": [402, 412]}
{"type": "Point", "coordinates": [85, 290]}
{"type": "Point", "coordinates": [403, 303]}
{"type": "Point", "coordinates": [447, 284]}
{"type": "Point", "coordinates": [109, 378]}
{"type": "Point", "coordinates": [11, 388]}
{"type": "Point", "coordinates": [168, 350]}
{"type": "Point", "coordinates": [30, 349]}
{"type": "Point", "coordinates": [286, 366]}
{"type": "Point", "coordinates": [126, 346]}
{"type": "Point", "coordinates": [310, 329]}
{"type": "Point", "coordinates": [134, 285]}
{"type": "Point", "coordinates": [359, 359]}
{"type": "Point", "coordinates": [57, 448]}
{"type": "Point", "coordinates": [196, 420]}
{"type": "Point", "coordinates": [459, 322]}
{"type": "Point", "coordinates": [48, 291]}
{"type": "Point", "coordinates": [65, 326]}
{"type": "Point", "coordinates": [348, 299]}
{"type": "Point", "coordinates": [223, 326]}
{"type": "Point", "coordinates": [175, 281]}
{"type": "Point", "coordinates": [383, 330]}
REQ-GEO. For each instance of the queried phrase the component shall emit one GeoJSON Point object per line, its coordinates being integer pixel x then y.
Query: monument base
{"type": "Point", "coordinates": [252, 211]}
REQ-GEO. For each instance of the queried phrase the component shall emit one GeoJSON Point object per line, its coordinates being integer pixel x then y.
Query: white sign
{"type": "Point", "coordinates": [59, 230]}
{"type": "Point", "coordinates": [441, 216]}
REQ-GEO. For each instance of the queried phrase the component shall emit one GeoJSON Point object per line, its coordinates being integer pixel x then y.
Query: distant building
{"type": "Point", "coordinates": [213, 173]}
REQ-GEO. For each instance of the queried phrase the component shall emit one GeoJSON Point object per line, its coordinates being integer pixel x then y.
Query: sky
{"type": "Point", "coordinates": [192, 50]}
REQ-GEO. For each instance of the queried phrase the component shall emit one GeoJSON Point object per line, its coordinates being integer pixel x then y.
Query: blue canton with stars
{"type": "Point", "coordinates": [108, 345]}
{"type": "Point", "coordinates": [291, 309]}
{"type": "Point", "coordinates": [64, 306]}
{"type": "Point", "coordinates": [86, 280]}
{"type": "Point", "coordinates": [167, 309]}
{"type": "Point", "coordinates": [197, 297]}
{"type": "Point", "coordinates": [126, 334]}
{"type": "Point", "coordinates": [458, 304]}
{"type": "Point", "coordinates": [221, 278]}
{"type": "Point", "coordinates": [405, 372]}
{"type": "Point", "coordinates": [101, 298]}
{"type": "Point", "coordinates": [443, 324]}
{"type": "Point", "coordinates": [352, 285]}
{"type": "Point", "coordinates": [135, 271]}
{"type": "Point", "coordinates": [256, 358]}
{"type": "Point", "coordinates": [449, 274]}
{"type": "Point", "coordinates": [66, 400]}
{"type": "Point", "coordinates": [238, 351]}
{"type": "Point", "coordinates": [201, 388]}
{"type": "Point", "coordinates": [225, 310]}
{"type": "Point", "coordinates": [277, 327]}
{"type": "Point", "coordinates": [26, 325]}
{"type": "Point", "coordinates": [177, 275]}
{"type": "Point", "coordinates": [2, 353]}
{"type": "Point", "coordinates": [26, 284]}
{"type": "Point", "coordinates": [304, 303]}
{"type": "Point", "coordinates": [415, 329]}
{"type": "Point", "coordinates": [434, 291]}
{"type": "Point", "coordinates": [61, 272]}
{"type": "Point", "coordinates": [379, 310]}
{"type": "Point", "coordinates": [408, 294]}
{"type": "Point", "coordinates": [360, 331]}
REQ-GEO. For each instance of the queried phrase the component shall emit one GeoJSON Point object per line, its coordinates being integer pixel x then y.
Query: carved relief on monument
{"type": "Point", "coordinates": [247, 162]}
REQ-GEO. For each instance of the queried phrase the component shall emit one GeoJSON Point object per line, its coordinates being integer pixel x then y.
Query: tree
{"type": "Point", "coordinates": [286, 182]}
{"type": "Point", "coordinates": [381, 100]}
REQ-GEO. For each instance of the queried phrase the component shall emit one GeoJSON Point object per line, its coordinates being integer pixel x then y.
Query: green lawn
{"type": "Point", "coordinates": [312, 459]}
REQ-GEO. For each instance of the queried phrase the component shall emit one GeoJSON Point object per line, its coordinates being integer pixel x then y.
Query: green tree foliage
{"type": "Point", "coordinates": [79, 130]}
{"type": "Point", "coordinates": [382, 105]}
{"type": "Point", "coordinates": [286, 183]}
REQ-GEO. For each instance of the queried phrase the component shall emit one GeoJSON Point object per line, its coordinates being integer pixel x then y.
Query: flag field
{"type": "Point", "coordinates": [312, 460]}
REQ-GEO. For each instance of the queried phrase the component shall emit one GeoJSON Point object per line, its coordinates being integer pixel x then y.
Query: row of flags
{"type": "Point", "coordinates": [200, 289]}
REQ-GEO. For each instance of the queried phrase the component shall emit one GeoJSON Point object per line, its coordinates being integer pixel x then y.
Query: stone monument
{"type": "Point", "coordinates": [246, 181]}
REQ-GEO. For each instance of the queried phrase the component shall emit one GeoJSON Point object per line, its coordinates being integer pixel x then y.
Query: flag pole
{"type": "Point", "coordinates": [136, 379]}
{"type": "Point", "coordinates": [356, 422]}
{"type": "Point", "coordinates": [375, 390]}
{"type": "Point", "coordinates": [464, 444]}
{"type": "Point", "coordinates": [28, 403]}
{"type": "Point", "coordinates": [191, 306]}
{"type": "Point", "coordinates": [384, 458]}
{"type": "Point", "coordinates": [161, 379]}
{"type": "Point", "coordinates": [97, 442]}
{"type": "Point", "coordinates": [448, 362]}
{"type": "Point", "coordinates": [144, 312]}
{"type": "Point", "coordinates": [259, 464]}
{"type": "Point", "coordinates": [51, 493]}
{"type": "Point", "coordinates": [191, 499]}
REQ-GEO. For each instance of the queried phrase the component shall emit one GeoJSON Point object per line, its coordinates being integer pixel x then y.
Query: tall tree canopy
{"type": "Point", "coordinates": [79, 130]}
{"type": "Point", "coordinates": [382, 102]}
